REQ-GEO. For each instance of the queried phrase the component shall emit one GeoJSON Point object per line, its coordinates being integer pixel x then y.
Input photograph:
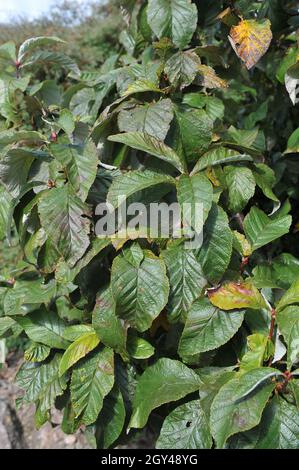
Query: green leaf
{"type": "Point", "coordinates": [78, 349]}
{"type": "Point", "coordinates": [81, 102]}
{"type": "Point", "coordinates": [6, 323]}
{"type": "Point", "coordinates": [286, 318]}
{"type": "Point", "coordinates": [91, 381]}
{"type": "Point", "coordinates": [186, 427]}
{"type": "Point", "coordinates": [80, 165]}
{"type": "Point", "coordinates": [150, 145]}
{"type": "Point", "coordinates": [265, 178]}
{"type": "Point", "coordinates": [256, 116]}
{"type": "Point", "coordinates": [66, 121]}
{"type": "Point", "coordinates": [132, 182]}
{"type": "Point", "coordinates": [111, 419]}
{"type": "Point", "coordinates": [38, 42]}
{"type": "Point", "coordinates": [37, 352]}
{"type": "Point", "coordinates": [128, 41]}
{"type": "Point", "coordinates": [215, 253]}
{"type": "Point", "coordinates": [41, 417]}
{"type": "Point", "coordinates": [241, 186]}
{"type": "Point", "coordinates": [8, 51]}
{"type": "Point", "coordinates": [213, 378]}
{"type": "Point", "coordinates": [283, 432]}
{"type": "Point", "coordinates": [195, 128]}
{"type": "Point", "coordinates": [61, 212]}
{"type": "Point", "coordinates": [288, 60]}
{"type": "Point", "coordinates": [208, 327]}
{"type": "Point", "coordinates": [195, 196]}
{"type": "Point", "coordinates": [290, 297]}
{"type": "Point", "coordinates": [232, 295]}
{"type": "Point", "coordinates": [288, 323]}
{"type": "Point", "coordinates": [175, 19]}
{"type": "Point", "coordinates": [262, 277]}
{"type": "Point", "coordinates": [48, 92]}
{"type": "Point", "coordinates": [109, 328]}
{"type": "Point", "coordinates": [26, 296]}
{"type": "Point", "coordinates": [143, 24]}
{"type": "Point", "coordinates": [230, 413]}
{"type": "Point", "coordinates": [141, 86]}
{"type": "Point", "coordinates": [28, 137]}
{"type": "Point", "coordinates": [294, 386]}
{"type": "Point", "coordinates": [261, 229]}
{"type": "Point", "coordinates": [5, 208]}
{"type": "Point", "coordinates": [74, 332]}
{"type": "Point", "coordinates": [69, 423]}
{"type": "Point", "coordinates": [144, 295]}
{"type": "Point", "coordinates": [45, 327]}
{"type": "Point", "coordinates": [293, 346]}
{"type": "Point", "coordinates": [219, 156]}
{"type": "Point", "coordinates": [249, 141]}
{"type": "Point", "coordinates": [214, 106]}
{"type": "Point", "coordinates": [41, 382]}
{"type": "Point", "coordinates": [181, 68]}
{"type": "Point", "coordinates": [54, 58]}
{"type": "Point", "coordinates": [293, 142]}
{"type": "Point", "coordinates": [14, 169]}
{"type": "Point", "coordinates": [165, 381]}
{"type": "Point", "coordinates": [134, 255]}
{"type": "Point", "coordinates": [278, 428]}
{"type": "Point", "coordinates": [281, 272]}
{"type": "Point", "coordinates": [257, 353]}
{"type": "Point", "coordinates": [153, 119]}
{"type": "Point", "coordinates": [140, 292]}
{"type": "Point", "coordinates": [186, 280]}
{"type": "Point", "coordinates": [139, 348]}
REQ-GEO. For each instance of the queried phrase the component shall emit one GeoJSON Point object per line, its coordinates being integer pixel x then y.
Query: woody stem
{"type": "Point", "coordinates": [272, 324]}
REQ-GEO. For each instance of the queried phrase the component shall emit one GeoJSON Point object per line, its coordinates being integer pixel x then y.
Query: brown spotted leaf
{"type": "Point", "coordinates": [208, 78]}
{"type": "Point", "coordinates": [232, 295]}
{"type": "Point", "coordinates": [250, 40]}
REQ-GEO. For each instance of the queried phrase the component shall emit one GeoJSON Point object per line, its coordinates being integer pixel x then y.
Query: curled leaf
{"type": "Point", "coordinates": [209, 79]}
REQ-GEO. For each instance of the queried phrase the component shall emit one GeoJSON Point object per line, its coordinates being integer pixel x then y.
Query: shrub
{"type": "Point", "coordinates": [90, 29]}
{"type": "Point", "coordinates": [200, 344]}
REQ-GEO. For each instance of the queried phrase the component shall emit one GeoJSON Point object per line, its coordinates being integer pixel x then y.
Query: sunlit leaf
{"type": "Point", "coordinates": [233, 295]}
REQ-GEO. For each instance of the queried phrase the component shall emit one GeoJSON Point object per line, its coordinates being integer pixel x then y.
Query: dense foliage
{"type": "Point", "coordinates": [201, 345]}
{"type": "Point", "coordinates": [90, 29]}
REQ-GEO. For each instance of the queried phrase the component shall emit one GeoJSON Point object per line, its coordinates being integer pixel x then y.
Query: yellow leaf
{"type": "Point", "coordinates": [209, 79]}
{"type": "Point", "coordinates": [210, 172]}
{"type": "Point", "coordinates": [224, 13]}
{"type": "Point", "coordinates": [78, 349]}
{"type": "Point", "coordinates": [232, 295]}
{"type": "Point", "coordinates": [260, 348]}
{"type": "Point", "coordinates": [241, 244]}
{"type": "Point", "coordinates": [251, 39]}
